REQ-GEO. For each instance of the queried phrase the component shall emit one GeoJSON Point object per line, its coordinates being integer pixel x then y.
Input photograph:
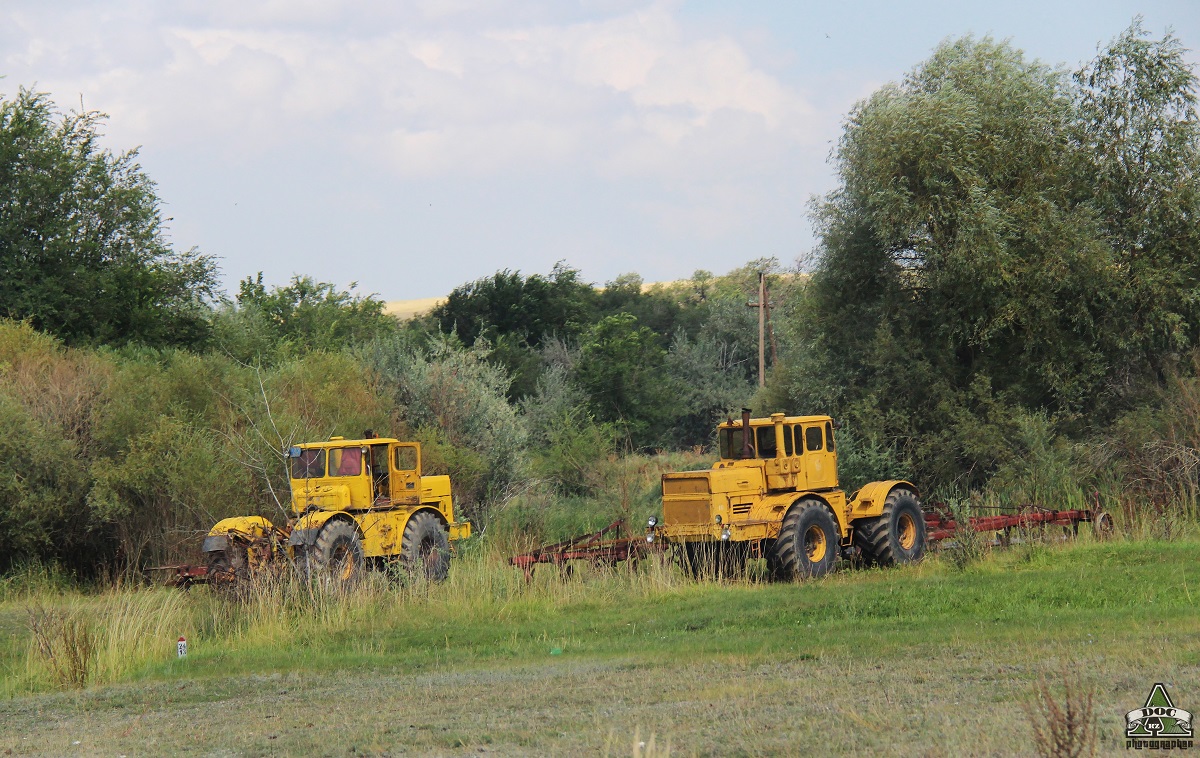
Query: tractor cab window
{"type": "Point", "coordinates": [345, 461]}
{"type": "Point", "coordinates": [406, 459]}
{"type": "Point", "coordinates": [309, 464]}
{"type": "Point", "coordinates": [731, 443]}
{"type": "Point", "coordinates": [799, 432]}
{"type": "Point", "coordinates": [787, 440]}
{"type": "Point", "coordinates": [812, 438]}
{"type": "Point", "coordinates": [766, 441]}
{"type": "Point", "coordinates": [829, 436]}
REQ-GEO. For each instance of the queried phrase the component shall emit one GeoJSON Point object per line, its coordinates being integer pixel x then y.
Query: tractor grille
{"type": "Point", "coordinates": [740, 509]}
{"type": "Point", "coordinates": [686, 512]}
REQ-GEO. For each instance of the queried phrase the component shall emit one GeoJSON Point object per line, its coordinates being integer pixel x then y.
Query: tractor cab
{"type": "Point", "coordinates": [354, 475]}
{"type": "Point", "coordinates": [794, 452]}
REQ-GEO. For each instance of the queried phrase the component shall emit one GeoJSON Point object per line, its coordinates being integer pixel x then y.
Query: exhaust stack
{"type": "Point", "coordinates": [747, 448]}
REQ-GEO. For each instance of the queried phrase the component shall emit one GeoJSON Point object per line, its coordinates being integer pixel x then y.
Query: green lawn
{"type": "Point", "coordinates": [925, 660]}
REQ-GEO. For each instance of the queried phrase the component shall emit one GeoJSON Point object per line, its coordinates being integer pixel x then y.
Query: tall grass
{"type": "Point", "coordinates": [79, 638]}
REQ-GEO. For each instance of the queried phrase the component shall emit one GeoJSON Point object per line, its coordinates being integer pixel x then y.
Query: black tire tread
{"type": "Point", "coordinates": [784, 557]}
{"type": "Point", "coordinates": [420, 526]}
{"type": "Point", "coordinates": [875, 538]}
{"type": "Point", "coordinates": [317, 559]}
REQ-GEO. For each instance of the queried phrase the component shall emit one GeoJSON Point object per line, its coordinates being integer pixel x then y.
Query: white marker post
{"type": "Point", "coordinates": [182, 647]}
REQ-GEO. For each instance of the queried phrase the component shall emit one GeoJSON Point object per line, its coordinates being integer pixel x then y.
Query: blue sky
{"type": "Point", "coordinates": [411, 147]}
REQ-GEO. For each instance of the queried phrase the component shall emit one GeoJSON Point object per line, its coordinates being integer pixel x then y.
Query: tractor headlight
{"type": "Point", "coordinates": [652, 522]}
{"type": "Point", "coordinates": [718, 520]}
{"type": "Point", "coordinates": [725, 534]}
{"type": "Point", "coordinates": [650, 539]}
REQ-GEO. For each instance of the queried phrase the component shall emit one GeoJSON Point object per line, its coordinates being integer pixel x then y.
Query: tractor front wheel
{"type": "Point", "coordinates": [228, 569]}
{"type": "Point", "coordinates": [425, 548]}
{"type": "Point", "coordinates": [898, 534]}
{"type": "Point", "coordinates": [808, 544]}
{"type": "Point", "coordinates": [337, 557]}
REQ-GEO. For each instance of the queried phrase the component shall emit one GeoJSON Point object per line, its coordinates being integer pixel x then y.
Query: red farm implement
{"type": "Point", "coordinates": [603, 548]}
{"type": "Point", "coordinates": [607, 547]}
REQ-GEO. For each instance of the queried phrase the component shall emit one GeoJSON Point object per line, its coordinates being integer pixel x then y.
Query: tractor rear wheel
{"type": "Point", "coordinates": [425, 548]}
{"type": "Point", "coordinates": [337, 556]}
{"type": "Point", "coordinates": [898, 534]}
{"type": "Point", "coordinates": [808, 543]}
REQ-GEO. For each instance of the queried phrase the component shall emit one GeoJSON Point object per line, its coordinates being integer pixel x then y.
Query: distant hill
{"type": "Point", "coordinates": [406, 309]}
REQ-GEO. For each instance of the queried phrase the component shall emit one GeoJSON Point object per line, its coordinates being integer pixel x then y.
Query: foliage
{"type": "Point", "coordinates": [566, 443]}
{"type": "Point", "coordinates": [454, 397]}
{"type": "Point", "coordinates": [82, 249]}
{"type": "Point", "coordinates": [621, 367]}
{"type": "Point", "coordinates": [971, 271]}
{"type": "Point", "coordinates": [529, 308]}
{"type": "Point", "coordinates": [305, 315]}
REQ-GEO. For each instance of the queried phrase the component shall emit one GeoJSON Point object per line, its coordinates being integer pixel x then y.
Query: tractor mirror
{"type": "Point", "coordinates": [294, 452]}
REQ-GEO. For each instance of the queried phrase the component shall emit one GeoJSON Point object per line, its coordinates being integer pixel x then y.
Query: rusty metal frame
{"type": "Point", "coordinates": [600, 548]}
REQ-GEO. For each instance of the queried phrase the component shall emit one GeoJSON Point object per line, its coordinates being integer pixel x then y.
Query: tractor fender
{"type": "Point", "coordinates": [793, 501]}
{"type": "Point", "coordinates": [868, 501]}
{"type": "Point", "coordinates": [247, 527]}
{"type": "Point", "coordinates": [440, 516]}
{"type": "Point", "coordinates": [305, 532]}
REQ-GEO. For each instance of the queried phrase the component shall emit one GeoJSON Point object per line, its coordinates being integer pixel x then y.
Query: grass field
{"type": "Point", "coordinates": [923, 660]}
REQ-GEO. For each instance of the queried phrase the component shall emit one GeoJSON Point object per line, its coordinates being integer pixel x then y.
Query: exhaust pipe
{"type": "Point", "coordinates": [747, 448]}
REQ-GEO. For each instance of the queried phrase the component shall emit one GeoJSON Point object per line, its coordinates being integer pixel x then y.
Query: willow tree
{"type": "Point", "coordinates": [979, 261]}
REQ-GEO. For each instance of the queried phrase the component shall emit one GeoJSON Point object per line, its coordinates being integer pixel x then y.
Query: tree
{"type": "Point", "coordinates": [82, 251]}
{"type": "Point", "coordinates": [972, 269]}
{"type": "Point", "coordinates": [304, 315]}
{"type": "Point", "coordinates": [530, 308]}
{"type": "Point", "coordinates": [1139, 140]}
{"type": "Point", "coordinates": [621, 367]}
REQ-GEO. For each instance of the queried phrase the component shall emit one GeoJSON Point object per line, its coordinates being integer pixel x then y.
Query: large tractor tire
{"type": "Point", "coordinates": [425, 548]}
{"type": "Point", "coordinates": [337, 557]}
{"type": "Point", "coordinates": [228, 569]}
{"type": "Point", "coordinates": [898, 534]}
{"type": "Point", "coordinates": [808, 544]}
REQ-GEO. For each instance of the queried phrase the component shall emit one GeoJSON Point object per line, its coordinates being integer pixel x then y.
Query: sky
{"type": "Point", "coordinates": [411, 147]}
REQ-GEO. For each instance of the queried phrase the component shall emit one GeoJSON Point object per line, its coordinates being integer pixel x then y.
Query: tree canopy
{"type": "Point", "coordinates": [1007, 239]}
{"type": "Point", "coordinates": [82, 249]}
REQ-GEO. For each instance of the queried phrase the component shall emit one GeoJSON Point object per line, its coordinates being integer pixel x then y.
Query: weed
{"type": "Point", "coordinates": [1066, 727]}
{"type": "Point", "coordinates": [969, 546]}
{"type": "Point", "coordinates": [65, 643]}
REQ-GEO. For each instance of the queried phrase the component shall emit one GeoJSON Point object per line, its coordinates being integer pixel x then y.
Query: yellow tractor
{"type": "Point", "coordinates": [774, 494]}
{"type": "Point", "coordinates": [352, 501]}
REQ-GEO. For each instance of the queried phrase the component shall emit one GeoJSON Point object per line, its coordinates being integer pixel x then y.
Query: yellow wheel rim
{"type": "Point", "coordinates": [814, 544]}
{"type": "Point", "coordinates": [343, 564]}
{"type": "Point", "coordinates": [906, 529]}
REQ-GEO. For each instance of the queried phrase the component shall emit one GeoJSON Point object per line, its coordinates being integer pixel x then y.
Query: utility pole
{"type": "Point", "coordinates": [764, 314]}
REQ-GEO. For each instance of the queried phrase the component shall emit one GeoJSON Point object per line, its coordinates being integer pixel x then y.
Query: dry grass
{"type": "Point", "coordinates": [1063, 726]}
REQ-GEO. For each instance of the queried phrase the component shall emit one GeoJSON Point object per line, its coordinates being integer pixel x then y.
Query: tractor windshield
{"type": "Point", "coordinates": [346, 461]}
{"type": "Point", "coordinates": [731, 443]}
{"type": "Point", "coordinates": [310, 464]}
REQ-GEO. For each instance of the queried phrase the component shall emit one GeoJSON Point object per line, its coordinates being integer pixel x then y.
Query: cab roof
{"type": "Point", "coordinates": [737, 423]}
{"type": "Point", "coordinates": [341, 442]}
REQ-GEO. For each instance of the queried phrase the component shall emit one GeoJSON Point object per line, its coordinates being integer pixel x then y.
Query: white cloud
{"type": "Point", "coordinates": [432, 97]}
{"type": "Point", "coordinates": [594, 125]}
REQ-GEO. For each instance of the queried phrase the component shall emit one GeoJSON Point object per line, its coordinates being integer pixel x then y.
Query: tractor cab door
{"type": "Point", "coordinates": [819, 459]}
{"type": "Point", "coordinates": [405, 473]}
{"type": "Point", "coordinates": [380, 474]}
